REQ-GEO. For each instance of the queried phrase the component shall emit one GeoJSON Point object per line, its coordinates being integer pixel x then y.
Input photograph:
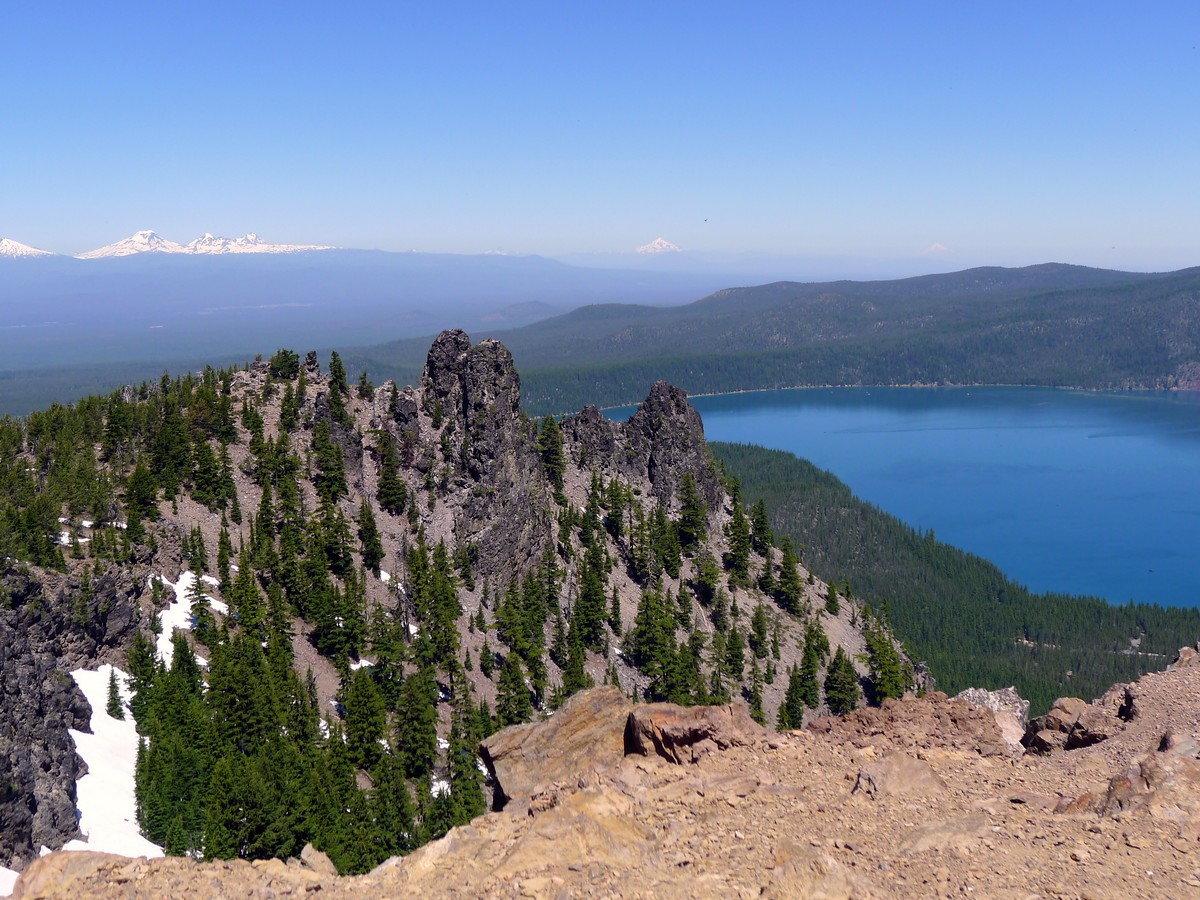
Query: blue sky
{"type": "Point", "coordinates": [1005, 133]}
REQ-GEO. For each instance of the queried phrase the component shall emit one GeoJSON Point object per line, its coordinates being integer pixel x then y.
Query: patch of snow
{"type": "Point", "coordinates": [8, 879]}
{"type": "Point", "coordinates": [87, 523]}
{"type": "Point", "coordinates": [209, 579]}
{"type": "Point", "coordinates": [105, 801]}
{"type": "Point", "coordinates": [385, 577]}
{"type": "Point", "coordinates": [443, 744]}
{"type": "Point", "coordinates": [438, 787]}
{"type": "Point", "coordinates": [361, 664]}
{"type": "Point", "coordinates": [413, 629]}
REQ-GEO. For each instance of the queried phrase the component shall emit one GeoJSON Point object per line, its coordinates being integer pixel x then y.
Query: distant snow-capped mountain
{"type": "Point", "coordinates": [659, 245]}
{"type": "Point", "coordinates": [16, 250]}
{"type": "Point", "coordinates": [151, 242]}
{"type": "Point", "coordinates": [139, 242]}
{"type": "Point", "coordinates": [250, 243]}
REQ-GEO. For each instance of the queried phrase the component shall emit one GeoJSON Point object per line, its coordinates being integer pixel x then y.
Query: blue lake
{"type": "Point", "coordinates": [1084, 493]}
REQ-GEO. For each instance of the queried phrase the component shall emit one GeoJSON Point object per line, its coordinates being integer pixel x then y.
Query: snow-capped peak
{"type": "Point", "coordinates": [659, 245]}
{"type": "Point", "coordinates": [208, 245]}
{"type": "Point", "coordinates": [249, 243]}
{"type": "Point", "coordinates": [16, 250]}
{"type": "Point", "coordinates": [139, 242]}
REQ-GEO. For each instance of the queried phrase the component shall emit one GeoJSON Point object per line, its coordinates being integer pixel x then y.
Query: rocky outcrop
{"type": "Point", "coordinates": [50, 624]}
{"type": "Point", "coordinates": [586, 735]}
{"type": "Point", "coordinates": [930, 721]}
{"type": "Point", "coordinates": [1072, 723]}
{"type": "Point", "coordinates": [661, 443]}
{"type": "Point", "coordinates": [481, 450]}
{"type": "Point", "coordinates": [685, 734]}
{"type": "Point", "coordinates": [1010, 710]}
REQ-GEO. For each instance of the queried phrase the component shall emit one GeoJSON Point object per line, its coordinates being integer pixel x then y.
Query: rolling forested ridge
{"type": "Point", "coordinates": [958, 612]}
{"type": "Point", "coordinates": [1050, 325]}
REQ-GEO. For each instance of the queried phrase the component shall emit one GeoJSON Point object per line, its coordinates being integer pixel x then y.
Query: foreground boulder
{"type": "Point", "coordinates": [1073, 723]}
{"type": "Point", "coordinates": [586, 735]}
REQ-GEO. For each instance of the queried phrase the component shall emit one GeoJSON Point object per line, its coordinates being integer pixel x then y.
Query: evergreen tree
{"type": "Point", "coordinates": [761, 538]}
{"type": "Point", "coordinates": [466, 781]}
{"type": "Point", "coordinates": [756, 695]}
{"type": "Point", "coordinates": [842, 693]}
{"type": "Point", "coordinates": [693, 515]}
{"type": "Point", "coordinates": [365, 718]}
{"type": "Point", "coordinates": [554, 461]}
{"type": "Point", "coordinates": [791, 710]}
{"type": "Point", "coordinates": [575, 677]}
{"type": "Point", "coordinates": [789, 589]}
{"type": "Point", "coordinates": [512, 695]}
{"type": "Point", "coordinates": [737, 560]}
{"type": "Point", "coordinates": [416, 723]}
{"type": "Point", "coordinates": [330, 477]}
{"type": "Point", "coordinates": [368, 534]}
{"type": "Point", "coordinates": [758, 632]}
{"type": "Point", "coordinates": [114, 708]}
{"type": "Point", "coordinates": [832, 605]}
{"type": "Point", "coordinates": [392, 492]}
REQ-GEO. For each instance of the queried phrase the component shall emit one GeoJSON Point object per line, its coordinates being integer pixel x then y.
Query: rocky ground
{"type": "Point", "coordinates": [924, 798]}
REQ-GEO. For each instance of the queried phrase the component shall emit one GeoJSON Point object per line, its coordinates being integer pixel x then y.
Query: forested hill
{"type": "Point", "coordinates": [974, 626]}
{"type": "Point", "coordinates": [1050, 325]}
{"type": "Point", "coordinates": [326, 593]}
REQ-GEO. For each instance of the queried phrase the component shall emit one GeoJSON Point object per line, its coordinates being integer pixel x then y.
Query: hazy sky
{"type": "Point", "coordinates": [1004, 133]}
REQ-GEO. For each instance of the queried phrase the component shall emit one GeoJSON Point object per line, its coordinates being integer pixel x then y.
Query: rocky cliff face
{"type": "Point", "coordinates": [50, 625]}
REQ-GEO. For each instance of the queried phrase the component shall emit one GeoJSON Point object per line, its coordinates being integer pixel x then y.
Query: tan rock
{"type": "Point", "coordinates": [586, 735]}
{"type": "Point", "coordinates": [898, 775]}
{"type": "Point", "coordinates": [687, 733]}
{"type": "Point", "coordinates": [806, 871]}
{"type": "Point", "coordinates": [317, 861]}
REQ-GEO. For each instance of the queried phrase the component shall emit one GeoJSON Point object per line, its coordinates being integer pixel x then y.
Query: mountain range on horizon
{"type": "Point", "coordinates": [147, 241]}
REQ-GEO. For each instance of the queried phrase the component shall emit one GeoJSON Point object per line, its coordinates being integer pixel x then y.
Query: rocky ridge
{"type": "Point", "coordinates": [860, 811]}
{"type": "Point", "coordinates": [472, 469]}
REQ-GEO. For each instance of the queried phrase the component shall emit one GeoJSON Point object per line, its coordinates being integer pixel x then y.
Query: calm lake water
{"type": "Point", "coordinates": [1085, 493]}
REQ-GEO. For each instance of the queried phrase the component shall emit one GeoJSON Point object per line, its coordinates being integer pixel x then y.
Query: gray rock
{"type": "Point", "coordinates": [48, 628]}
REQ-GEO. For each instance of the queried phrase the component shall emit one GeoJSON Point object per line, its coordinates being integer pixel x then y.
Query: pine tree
{"type": "Point", "coordinates": [789, 589]}
{"type": "Point", "coordinates": [758, 632]}
{"type": "Point", "coordinates": [693, 515]}
{"type": "Point", "coordinates": [842, 692]}
{"type": "Point", "coordinates": [554, 461]}
{"type": "Point", "coordinates": [761, 538]}
{"type": "Point", "coordinates": [392, 492]}
{"type": "Point", "coordinates": [114, 708]}
{"type": "Point", "coordinates": [466, 781]}
{"type": "Point", "coordinates": [368, 534]}
{"type": "Point", "coordinates": [791, 710]}
{"type": "Point", "coordinates": [330, 477]}
{"type": "Point", "coordinates": [512, 695]}
{"type": "Point", "coordinates": [756, 694]}
{"type": "Point", "coordinates": [365, 718]}
{"type": "Point", "coordinates": [416, 723]}
{"type": "Point", "coordinates": [737, 560]}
